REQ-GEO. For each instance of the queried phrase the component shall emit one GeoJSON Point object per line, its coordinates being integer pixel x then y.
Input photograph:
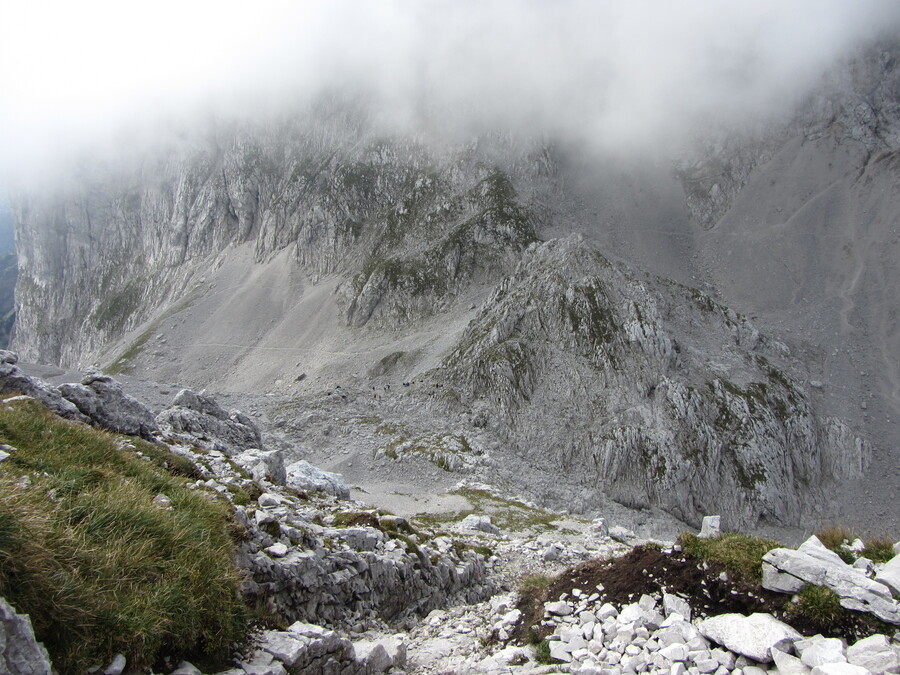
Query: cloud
{"type": "Point", "coordinates": [615, 74]}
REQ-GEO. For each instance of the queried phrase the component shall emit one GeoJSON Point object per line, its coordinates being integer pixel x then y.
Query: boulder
{"type": "Point", "coordinates": [100, 398]}
{"type": "Point", "coordinates": [876, 654]}
{"type": "Point", "coordinates": [263, 465]}
{"type": "Point", "coordinates": [197, 418]}
{"type": "Point", "coordinates": [20, 652]}
{"type": "Point", "coordinates": [818, 650]}
{"type": "Point", "coordinates": [814, 564]}
{"type": "Point", "coordinates": [890, 575]}
{"type": "Point", "coordinates": [480, 523]}
{"type": "Point", "coordinates": [371, 657]}
{"type": "Point", "coordinates": [710, 527]}
{"type": "Point", "coordinates": [752, 636]}
{"type": "Point", "coordinates": [304, 476]}
{"type": "Point", "coordinates": [14, 381]}
{"type": "Point", "coordinates": [839, 669]}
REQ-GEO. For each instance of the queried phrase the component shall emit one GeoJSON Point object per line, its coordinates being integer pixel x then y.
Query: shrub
{"type": "Point", "coordinates": [100, 568]}
{"type": "Point", "coordinates": [739, 553]}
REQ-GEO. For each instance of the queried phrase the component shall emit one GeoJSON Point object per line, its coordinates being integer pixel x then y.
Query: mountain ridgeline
{"type": "Point", "coordinates": [712, 334]}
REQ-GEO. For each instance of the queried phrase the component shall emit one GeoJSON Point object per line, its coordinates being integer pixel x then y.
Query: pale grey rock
{"type": "Point", "coordinates": [20, 652]}
{"type": "Point", "coordinates": [789, 665]}
{"type": "Point", "coordinates": [197, 418]}
{"type": "Point", "coordinates": [263, 465]}
{"type": "Point", "coordinates": [675, 652]}
{"type": "Point", "coordinates": [479, 522]}
{"type": "Point", "coordinates": [559, 608]}
{"type": "Point", "coordinates": [277, 550]}
{"type": "Point", "coordinates": [396, 648]}
{"type": "Point", "coordinates": [752, 636]}
{"type": "Point", "coordinates": [710, 527]}
{"type": "Point", "coordinates": [187, 668]}
{"type": "Point", "coordinates": [304, 476]}
{"type": "Point", "coordinates": [101, 398]}
{"type": "Point", "coordinates": [897, 548]}
{"type": "Point", "coordinates": [874, 653]}
{"type": "Point", "coordinates": [817, 651]}
{"type": "Point", "coordinates": [371, 657]}
{"type": "Point", "coordinates": [163, 501]}
{"type": "Point", "coordinates": [672, 604]}
{"type": "Point", "coordinates": [889, 575]}
{"type": "Point", "coordinates": [780, 582]}
{"type": "Point", "coordinates": [813, 563]}
{"type": "Point", "coordinates": [14, 381]}
{"type": "Point", "coordinates": [117, 666]}
{"type": "Point", "coordinates": [839, 669]}
{"type": "Point", "coordinates": [4, 455]}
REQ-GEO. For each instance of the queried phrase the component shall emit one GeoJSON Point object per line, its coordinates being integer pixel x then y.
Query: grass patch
{"type": "Point", "coordinates": [532, 583]}
{"type": "Point", "coordinates": [739, 553]}
{"type": "Point", "coordinates": [507, 514]}
{"type": "Point", "coordinates": [542, 653]}
{"type": "Point", "coordinates": [834, 537]}
{"type": "Point", "coordinates": [819, 606]}
{"type": "Point", "coordinates": [879, 550]}
{"type": "Point", "coordinates": [98, 567]}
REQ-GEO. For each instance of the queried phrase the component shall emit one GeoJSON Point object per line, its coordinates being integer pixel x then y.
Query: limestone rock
{"type": "Point", "coordinates": [479, 522]}
{"type": "Point", "coordinates": [20, 653]}
{"type": "Point", "coordinates": [710, 527]}
{"type": "Point", "coordinates": [263, 465]}
{"type": "Point", "coordinates": [14, 381]}
{"type": "Point", "coordinates": [101, 398]}
{"type": "Point", "coordinates": [839, 669]}
{"type": "Point", "coordinates": [371, 657]}
{"type": "Point", "coordinates": [813, 563]}
{"type": "Point", "coordinates": [117, 665]}
{"type": "Point", "coordinates": [752, 636]}
{"type": "Point", "coordinates": [304, 476]}
{"type": "Point", "coordinates": [889, 575]}
{"type": "Point", "coordinates": [202, 421]}
{"type": "Point", "coordinates": [875, 653]}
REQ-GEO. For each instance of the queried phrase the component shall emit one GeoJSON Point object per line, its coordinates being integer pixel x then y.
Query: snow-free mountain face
{"type": "Point", "coordinates": [711, 333]}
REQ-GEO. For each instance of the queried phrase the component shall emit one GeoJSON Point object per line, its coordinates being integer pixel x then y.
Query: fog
{"type": "Point", "coordinates": [614, 75]}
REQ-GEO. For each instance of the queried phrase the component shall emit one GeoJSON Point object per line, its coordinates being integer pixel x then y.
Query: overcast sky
{"type": "Point", "coordinates": [613, 73]}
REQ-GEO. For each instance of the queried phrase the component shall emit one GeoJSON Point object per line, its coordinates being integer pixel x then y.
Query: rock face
{"type": "Point", "coordinates": [20, 653]}
{"type": "Point", "coordinates": [14, 381]}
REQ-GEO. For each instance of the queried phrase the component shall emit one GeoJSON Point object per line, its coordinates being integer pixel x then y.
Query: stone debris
{"type": "Point", "coordinates": [787, 571]}
{"type": "Point", "coordinates": [14, 381]}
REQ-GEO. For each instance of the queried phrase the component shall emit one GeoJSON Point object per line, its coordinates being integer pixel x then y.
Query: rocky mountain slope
{"type": "Point", "coordinates": [322, 249]}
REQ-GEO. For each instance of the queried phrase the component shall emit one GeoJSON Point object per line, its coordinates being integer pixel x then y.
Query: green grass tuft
{"type": "Point", "coordinates": [818, 605]}
{"type": "Point", "coordinates": [739, 553]}
{"type": "Point", "coordinates": [100, 568]}
{"type": "Point", "coordinates": [542, 653]}
{"type": "Point", "coordinates": [534, 582]}
{"type": "Point", "coordinates": [879, 550]}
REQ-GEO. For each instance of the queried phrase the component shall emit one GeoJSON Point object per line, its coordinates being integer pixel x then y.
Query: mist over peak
{"type": "Point", "coordinates": [620, 76]}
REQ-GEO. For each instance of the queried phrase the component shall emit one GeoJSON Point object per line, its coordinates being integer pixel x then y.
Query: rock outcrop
{"type": "Point", "coordinates": [20, 652]}
{"type": "Point", "coordinates": [671, 399]}
{"type": "Point", "coordinates": [198, 418]}
{"type": "Point", "coordinates": [101, 398]}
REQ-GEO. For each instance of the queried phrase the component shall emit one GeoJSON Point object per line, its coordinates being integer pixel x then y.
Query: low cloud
{"type": "Point", "coordinates": [613, 74]}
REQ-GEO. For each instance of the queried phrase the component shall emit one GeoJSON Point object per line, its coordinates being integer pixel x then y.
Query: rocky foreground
{"type": "Point", "coordinates": [350, 589]}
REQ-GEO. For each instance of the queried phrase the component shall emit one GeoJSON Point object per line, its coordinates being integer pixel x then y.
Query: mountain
{"type": "Point", "coordinates": [715, 332]}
